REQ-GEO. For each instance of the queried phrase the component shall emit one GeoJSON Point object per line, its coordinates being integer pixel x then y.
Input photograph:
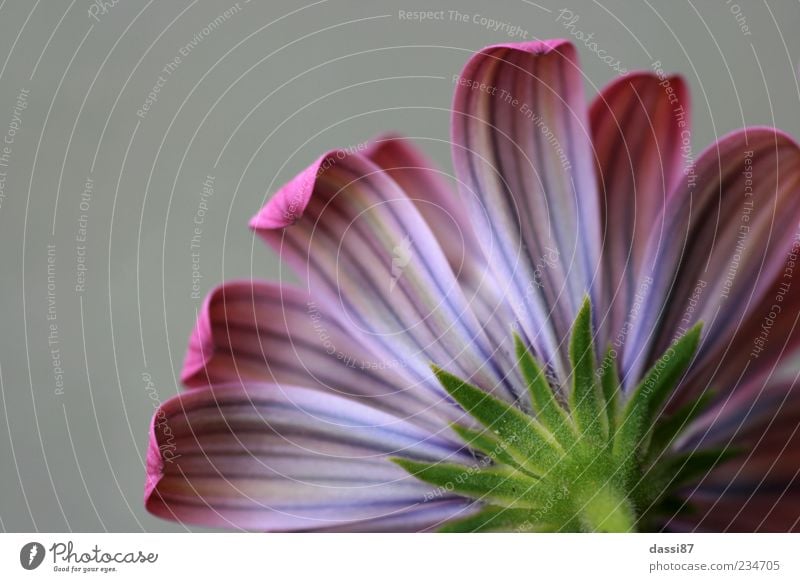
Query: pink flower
{"type": "Point", "coordinates": [297, 396]}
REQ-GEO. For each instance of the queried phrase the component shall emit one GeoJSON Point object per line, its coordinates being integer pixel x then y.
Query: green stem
{"type": "Point", "coordinates": [605, 510]}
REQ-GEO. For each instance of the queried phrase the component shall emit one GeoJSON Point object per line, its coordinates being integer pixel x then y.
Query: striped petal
{"type": "Point", "coordinates": [443, 210]}
{"type": "Point", "coordinates": [266, 457]}
{"type": "Point", "coordinates": [435, 199]}
{"type": "Point", "coordinates": [764, 344]}
{"type": "Point", "coordinates": [727, 232]}
{"type": "Point", "coordinates": [523, 159]}
{"type": "Point", "coordinates": [249, 331]}
{"type": "Point", "coordinates": [638, 125]}
{"type": "Point", "coordinates": [759, 491]}
{"type": "Point", "coordinates": [426, 517]}
{"type": "Point", "coordinates": [367, 255]}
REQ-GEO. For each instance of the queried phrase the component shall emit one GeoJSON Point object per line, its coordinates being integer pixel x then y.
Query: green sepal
{"type": "Point", "coordinates": [484, 442]}
{"type": "Point", "coordinates": [585, 398]}
{"type": "Point", "coordinates": [493, 519]}
{"type": "Point", "coordinates": [639, 414]}
{"type": "Point", "coordinates": [665, 474]}
{"type": "Point", "coordinates": [603, 460]}
{"type": "Point", "coordinates": [668, 429]}
{"type": "Point", "coordinates": [609, 381]}
{"type": "Point", "coordinates": [527, 441]}
{"type": "Point", "coordinates": [548, 410]}
{"type": "Point", "coordinates": [503, 485]}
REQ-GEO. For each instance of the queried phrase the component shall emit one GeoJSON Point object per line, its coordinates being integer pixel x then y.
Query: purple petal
{"type": "Point", "coordinates": [639, 123]}
{"type": "Point", "coordinates": [285, 458]}
{"type": "Point", "coordinates": [263, 332]}
{"type": "Point", "coordinates": [522, 155]}
{"type": "Point", "coordinates": [727, 232]}
{"type": "Point", "coordinates": [758, 491]}
{"type": "Point", "coordinates": [368, 257]}
{"type": "Point", "coordinates": [449, 221]}
{"type": "Point", "coordinates": [433, 196]}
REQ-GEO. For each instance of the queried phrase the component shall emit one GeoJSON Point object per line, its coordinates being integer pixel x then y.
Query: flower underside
{"type": "Point", "coordinates": [597, 462]}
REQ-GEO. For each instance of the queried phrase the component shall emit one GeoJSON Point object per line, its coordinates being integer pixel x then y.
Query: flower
{"type": "Point", "coordinates": [558, 296]}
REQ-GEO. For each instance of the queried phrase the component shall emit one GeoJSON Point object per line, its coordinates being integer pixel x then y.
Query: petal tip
{"type": "Point", "coordinates": [201, 344]}
{"type": "Point", "coordinates": [536, 47]}
{"type": "Point", "coordinates": [288, 204]}
{"type": "Point", "coordinates": [154, 470]}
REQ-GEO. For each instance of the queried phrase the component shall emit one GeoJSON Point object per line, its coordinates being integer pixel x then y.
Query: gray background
{"type": "Point", "coordinates": [252, 104]}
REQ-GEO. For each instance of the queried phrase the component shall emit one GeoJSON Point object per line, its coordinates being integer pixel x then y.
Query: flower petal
{"type": "Point", "coordinates": [523, 159]}
{"type": "Point", "coordinates": [727, 232]}
{"type": "Point", "coordinates": [449, 221]}
{"type": "Point", "coordinates": [756, 354]}
{"type": "Point", "coordinates": [285, 458]}
{"type": "Point", "coordinates": [638, 123]}
{"type": "Point", "coordinates": [367, 255]}
{"type": "Point", "coordinates": [426, 517]}
{"type": "Point", "coordinates": [249, 331]}
{"type": "Point", "coordinates": [435, 199]}
{"type": "Point", "coordinates": [759, 491]}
